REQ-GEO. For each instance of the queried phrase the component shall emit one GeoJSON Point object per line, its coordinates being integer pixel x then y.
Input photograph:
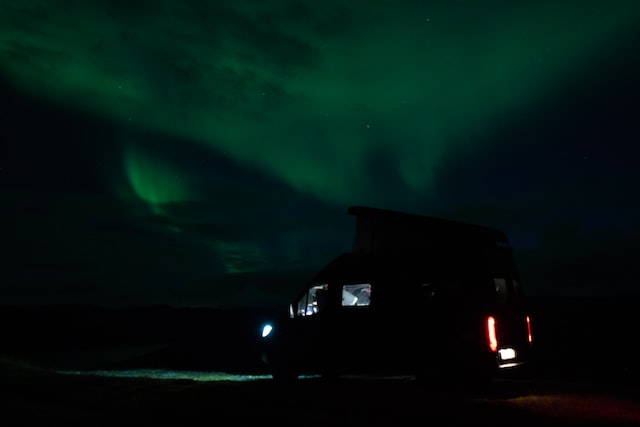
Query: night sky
{"type": "Point", "coordinates": [205, 152]}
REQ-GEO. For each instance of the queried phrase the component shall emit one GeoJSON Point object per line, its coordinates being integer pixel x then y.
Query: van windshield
{"type": "Point", "coordinates": [312, 301]}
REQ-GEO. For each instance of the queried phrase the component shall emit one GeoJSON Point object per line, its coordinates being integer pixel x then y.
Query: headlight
{"type": "Point", "coordinates": [266, 330]}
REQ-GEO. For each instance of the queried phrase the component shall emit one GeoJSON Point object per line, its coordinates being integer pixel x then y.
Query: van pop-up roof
{"type": "Point", "coordinates": [381, 230]}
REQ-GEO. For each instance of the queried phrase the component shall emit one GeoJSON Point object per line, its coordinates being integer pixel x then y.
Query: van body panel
{"type": "Point", "coordinates": [403, 303]}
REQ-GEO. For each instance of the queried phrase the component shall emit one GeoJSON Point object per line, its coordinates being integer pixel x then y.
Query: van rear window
{"type": "Point", "coordinates": [507, 290]}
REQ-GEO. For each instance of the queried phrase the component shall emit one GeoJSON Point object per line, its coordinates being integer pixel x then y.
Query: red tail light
{"type": "Point", "coordinates": [529, 336]}
{"type": "Point", "coordinates": [492, 337]}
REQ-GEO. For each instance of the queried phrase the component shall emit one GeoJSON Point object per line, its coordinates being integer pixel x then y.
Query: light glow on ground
{"type": "Point", "coordinates": [167, 374]}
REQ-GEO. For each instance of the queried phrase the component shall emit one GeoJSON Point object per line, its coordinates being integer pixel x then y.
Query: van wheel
{"type": "Point", "coordinates": [284, 377]}
{"type": "Point", "coordinates": [284, 374]}
{"type": "Point", "coordinates": [329, 375]}
{"type": "Point", "coordinates": [283, 369]}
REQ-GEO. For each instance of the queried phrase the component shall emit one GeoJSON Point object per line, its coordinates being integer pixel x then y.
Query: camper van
{"type": "Point", "coordinates": [417, 295]}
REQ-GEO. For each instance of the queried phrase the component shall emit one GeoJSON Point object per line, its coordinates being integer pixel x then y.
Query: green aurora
{"type": "Point", "coordinates": [305, 94]}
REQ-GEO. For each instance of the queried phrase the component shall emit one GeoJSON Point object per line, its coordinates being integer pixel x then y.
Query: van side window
{"type": "Point", "coordinates": [313, 301]}
{"type": "Point", "coordinates": [356, 295]}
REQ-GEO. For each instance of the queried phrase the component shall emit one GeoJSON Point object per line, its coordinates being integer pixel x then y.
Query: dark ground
{"type": "Point", "coordinates": [585, 372]}
{"type": "Point", "coordinates": [32, 398]}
